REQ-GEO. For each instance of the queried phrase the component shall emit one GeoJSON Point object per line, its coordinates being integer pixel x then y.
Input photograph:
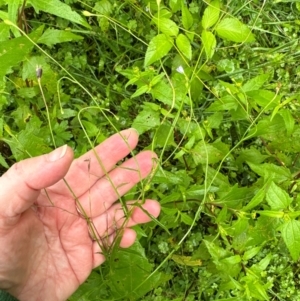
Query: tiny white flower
{"type": "Point", "coordinates": [180, 69]}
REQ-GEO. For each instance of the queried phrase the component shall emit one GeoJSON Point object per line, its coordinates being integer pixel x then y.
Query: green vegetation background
{"type": "Point", "coordinates": [212, 87]}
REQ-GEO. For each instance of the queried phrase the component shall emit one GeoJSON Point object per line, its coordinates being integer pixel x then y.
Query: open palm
{"type": "Point", "coordinates": [46, 248]}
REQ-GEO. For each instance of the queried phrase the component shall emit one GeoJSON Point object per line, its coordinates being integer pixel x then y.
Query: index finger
{"type": "Point", "coordinates": [90, 167]}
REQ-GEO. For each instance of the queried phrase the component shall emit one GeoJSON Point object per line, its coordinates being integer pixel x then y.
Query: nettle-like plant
{"type": "Point", "coordinates": [211, 86]}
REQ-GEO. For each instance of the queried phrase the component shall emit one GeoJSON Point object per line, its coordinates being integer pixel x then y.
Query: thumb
{"type": "Point", "coordinates": [21, 184]}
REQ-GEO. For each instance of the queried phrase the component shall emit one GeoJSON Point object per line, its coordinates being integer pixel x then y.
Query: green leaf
{"type": "Point", "coordinates": [258, 198]}
{"type": "Point", "coordinates": [264, 98]}
{"type": "Point", "coordinates": [290, 232]}
{"type": "Point", "coordinates": [204, 153]}
{"type": "Point", "coordinates": [4, 32]}
{"type": "Point", "coordinates": [60, 9]}
{"type": "Point", "coordinates": [251, 253]}
{"type": "Point", "coordinates": [103, 7]}
{"type": "Point", "coordinates": [55, 36]}
{"type": "Point", "coordinates": [234, 30]}
{"type": "Point", "coordinates": [166, 26]}
{"type": "Point", "coordinates": [187, 18]}
{"type": "Point", "coordinates": [184, 45]}
{"type": "Point", "coordinates": [158, 47]}
{"type": "Point", "coordinates": [146, 120]}
{"type": "Point", "coordinates": [271, 171]}
{"type": "Point", "coordinates": [186, 219]}
{"type": "Point", "coordinates": [164, 135]}
{"type": "Point", "coordinates": [140, 91]}
{"type": "Point", "coordinates": [129, 272]}
{"type": "Point", "coordinates": [209, 43]}
{"type": "Point", "coordinates": [13, 9]}
{"type": "Point", "coordinates": [288, 120]}
{"type": "Point", "coordinates": [255, 83]}
{"type": "Point", "coordinates": [277, 198]}
{"type": "Point", "coordinates": [14, 51]}
{"type": "Point", "coordinates": [211, 14]}
{"type": "Point", "coordinates": [175, 5]}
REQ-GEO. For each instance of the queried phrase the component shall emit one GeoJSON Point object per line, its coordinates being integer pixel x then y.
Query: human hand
{"type": "Point", "coordinates": [46, 250]}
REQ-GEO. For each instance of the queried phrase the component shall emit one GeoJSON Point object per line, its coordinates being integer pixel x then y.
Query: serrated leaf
{"type": "Point", "coordinates": [4, 32]}
{"type": "Point", "coordinates": [146, 120]}
{"type": "Point", "coordinates": [234, 30]}
{"type": "Point", "coordinates": [186, 219]}
{"type": "Point", "coordinates": [290, 232]}
{"type": "Point", "coordinates": [91, 129]}
{"type": "Point", "coordinates": [12, 52]}
{"type": "Point", "coordinates": [158, 47]}
{"type": "Point", "coordinates": [277, 198]}
{"type": "Point", "coordinates": [184, 45]}
{"type": "Point", "coordinates": [288, 120]}
{"type": "Point", "coordinates": [55, 36]}
{"type": "Point", "coordinates": [59, 9]}
{"type": "Point", "coordinates": [258, 198]}
{"type": "Point", "coordinates": [211, 14]}
{"type": "Point", "coordinates": [209, 43]}
{"type": "Point", "coordinates": [166, 26]}
{"type": "Point", "coordinates": [187, 18]}
{"type": "Point", "coordinates": [255, 83]}
{"type": "Point", "coordinates": [186, 260]}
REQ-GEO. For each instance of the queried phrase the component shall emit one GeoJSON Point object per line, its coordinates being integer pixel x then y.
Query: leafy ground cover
{"type": "Point", "coordinates": [212, 87]}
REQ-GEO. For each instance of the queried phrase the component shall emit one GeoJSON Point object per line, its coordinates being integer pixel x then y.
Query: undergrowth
{"type": "Point", "coordinates": [212, 87]}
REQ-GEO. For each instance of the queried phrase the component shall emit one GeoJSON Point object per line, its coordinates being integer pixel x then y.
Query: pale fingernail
{"type": "Point", "coordinates": [57, 153]}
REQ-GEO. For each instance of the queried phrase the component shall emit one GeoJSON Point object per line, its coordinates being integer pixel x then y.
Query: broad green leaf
{"type": "Point", "coordinates": [187, 18]}
{"type": "Point", "coordinates": [186, 219]}
{"type": "Point", "coordinates": [256, 290]}
{"type": "Point", "coordinates": [158, 47]}
{"type": "Point", "coordinates": [13, 10]}
{"type": "Point", "coordinates": [290, 232]}
{"type": "Point", "coordinates": [103, 7]}
{"type": "Point", "coordinates": [60, 9]}
{"type": "Point", "coordinates": [4, 32]}
{"type": "Point", "coordinates": [288, 120]}
{"type": "Point", "coordinates": [175, 5]}
{"type": "Point", "coordinates": [271, 171]}
{"type": "Point", "coordinates": [146, 120]}
{"type": "Point", "coordinates": [129, 271]}
{"type": "Point", "coordinates": [234, 30]}
{"type": "Point", "coordinates": [55, 36]}
{"type": "Point", "coordinates": [3, 15]}
{"type": "Point", "coordinates": [251, 155]}
{"type": "Point", "coordinates": [277, 198]}
{"type": "Point", "coordinates": [204, 153]}
{"type": "Point", "coordinates": [184, 45]}
{"type": "Point", "coordinates": [209, 43]}
{"type": "Point", "coordinates": [186, 260]}
{"type": "Point", "coordinates": [264, 98]}
{"type": "Point", "coordinates": [166, 26]}
{"type": "Point", "coordinates": [91, 129]}
{"type": "Point", "coordinates": [225, 103]}
{"type": "Point", "coordinates": [14, 51]}
{"type": "Point", "coordinates": [211, 14]}
{"type": "Point", "coordinates": [140, 91]}
{"type": "Point", "coordinates": [251, 253]}
{"type": "Point", "coordinates": [164, 136]}
{"type": "Point", "coordinates": [259, 197]}
{"type": "Point", "coordinates": [163, 93]}
{"type": "Point", "coordinates": [255, 83]}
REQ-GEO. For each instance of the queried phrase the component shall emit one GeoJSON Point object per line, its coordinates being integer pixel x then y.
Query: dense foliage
{"type": "Point", "coordinates": [212, 87]}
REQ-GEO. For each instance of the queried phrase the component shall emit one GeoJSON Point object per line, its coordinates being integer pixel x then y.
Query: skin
{"type": "Point", "coordinates": [46, 249]}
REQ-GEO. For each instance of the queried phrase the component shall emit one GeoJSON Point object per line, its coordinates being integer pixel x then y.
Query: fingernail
{"type": "Point", "coordinates": [57, 153]}
{"type": "Point", "coordinates": [135, 130]}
